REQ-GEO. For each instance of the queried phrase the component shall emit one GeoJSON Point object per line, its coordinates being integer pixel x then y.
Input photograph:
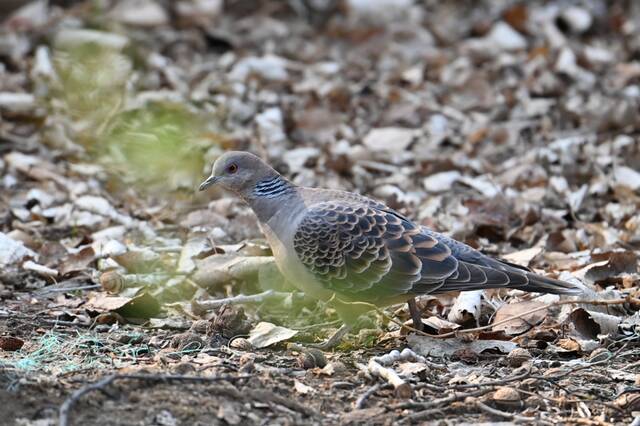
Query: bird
{"type": "Point", "coordinates": [356, 252]}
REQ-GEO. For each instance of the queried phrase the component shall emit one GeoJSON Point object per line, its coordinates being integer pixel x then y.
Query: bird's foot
{"type": "Point", "coordinates": [334, 340]}
{"type": "Point", "coordinates": [416, 315]}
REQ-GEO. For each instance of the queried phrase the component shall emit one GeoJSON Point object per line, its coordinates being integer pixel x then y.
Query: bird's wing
{"type": "Point", "coordinates": [477, 271]}
{"type": "Point", "coordinates": [369, 252]}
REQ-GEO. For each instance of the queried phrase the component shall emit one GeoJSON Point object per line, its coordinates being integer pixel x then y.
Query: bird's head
{"type": "Point", "coordinates": [238, 172]}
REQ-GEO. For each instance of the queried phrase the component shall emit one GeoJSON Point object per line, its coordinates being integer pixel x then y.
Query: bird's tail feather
{"type": "Point", "coordinates": [540, 284]}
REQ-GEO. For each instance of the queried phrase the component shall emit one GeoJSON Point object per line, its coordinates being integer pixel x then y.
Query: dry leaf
{"type": "Point", "coordinates": [519, 325]}
{"type": "Point", "coordinates": [140, 306]}
{"type": "Point", "coordinates": [428, 346]}
{"type": "Point", "coordinates": [523, 257]}
{"type": "Point", "coordinates": [466, 308]}
{"type": "Point", "coordinates": [301, 388]}
{"type": "Point", "coordinates": [591, 324]}
{"type": "Point", "coordinates": [266, 334]}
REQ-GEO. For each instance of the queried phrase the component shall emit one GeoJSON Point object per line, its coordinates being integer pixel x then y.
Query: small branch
{"type": "Point", "coordinates": [600, 302]}
{"type": "Point", "coordinates": [428, 408]}
{"type": "Point", "coordinates": [216, 271]}
{"type": "Point", "coordinates": [362, 399]}
{"type": "Point", "coordinates": [114, 282]}
{"type": "Point", "coordinates": [510, 416]}
{"type": "Point", "coordinates": [65, 408]}
{"type": "Point", "coordinates": [241, 299]}
{"type": "Point", "coordinates": [407, 355]}
{"type": "Point", "coordinates": [402, 388]}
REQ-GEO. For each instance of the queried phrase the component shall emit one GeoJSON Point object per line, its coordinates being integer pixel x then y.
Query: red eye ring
{"type": "Point", "coordinates": [232, 168]}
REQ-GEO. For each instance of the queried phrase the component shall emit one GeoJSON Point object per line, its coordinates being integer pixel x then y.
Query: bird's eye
{"type": "Point", "coordinates": [232, 168]}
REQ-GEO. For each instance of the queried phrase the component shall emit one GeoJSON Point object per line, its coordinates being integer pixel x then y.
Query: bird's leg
{"type": "Point", "coordinates": [416, 314]}
{"type": "Point", "coordinates": [334, 340]}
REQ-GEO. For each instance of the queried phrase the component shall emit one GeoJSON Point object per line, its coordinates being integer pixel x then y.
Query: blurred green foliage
{"type": "Point", "coordinates": [155, 147]}
{"type": "Point", "coordinates": [158, 146]}
{"type": "Point", "coordinates": [91, 86]}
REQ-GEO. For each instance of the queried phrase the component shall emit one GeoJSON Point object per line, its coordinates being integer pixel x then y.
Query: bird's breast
{"type": "Point", "coordinates": [290, 265]}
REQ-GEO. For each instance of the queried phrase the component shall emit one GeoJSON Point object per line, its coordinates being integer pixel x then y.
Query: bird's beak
{"type": "Point", "coordinates": [211, 180]}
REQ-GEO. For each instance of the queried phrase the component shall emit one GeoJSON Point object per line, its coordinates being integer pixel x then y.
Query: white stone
{"type": "Point", "coordinates": [17, 102]}
{"type": "Point", "coordinates": [269, 67]}
{"type": "Point", "coordinates": [30, 265]}
{"type": "Point", "coordinates": [627, 176]}
{"type": "Point", "coordinates": [505, 37]}
{"type": "Point", "coordinates": [441, 181]}
{"type": "Point", "coordinates": [392, 139]}
{"type": "Point", "coordinates": [12, 251]}
{"type": "Point", "coordinates": [70, 38]}
{"type": "Point", "coordinates": [296, 158]}
{"type": "Point", "coordinates": [578, 19]}
{"type": "Point", "coordinates": [378, 10]}
{"type": "Point", "coordinates": [598, 55]}
{"type": "Point", "coordinates": [142, 13]}
{"type": "Point", "coordinates": [271, 130]}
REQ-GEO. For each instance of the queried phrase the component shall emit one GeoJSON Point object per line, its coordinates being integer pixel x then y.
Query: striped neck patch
{"type": "Point", "coordinates": [271, 187]}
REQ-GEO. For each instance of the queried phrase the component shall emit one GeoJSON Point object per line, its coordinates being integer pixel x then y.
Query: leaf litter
{"type": "Point", "coordinates": [512, 128]}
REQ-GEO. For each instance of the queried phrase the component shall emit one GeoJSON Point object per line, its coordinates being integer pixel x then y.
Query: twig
{"type": "Point", "coordinates": [65, 408]}
{"type": "Point", "coordinates": [561, 401]}
{"type": "Point", "coordinates": [428, 408]}
{"type": "Point", "coordinates": [402, 388]}
{"type": "Point", "coordinates": [455, 333]}
{"type": "Point", "coordinates": [494, 382]}
{"type": "Point", "coordinates": [241, 298]}
{"type": "Point", "coordinates": [407, 355]}
{"type": "Point", "coordinates": [510, 416]}
{"type": "Point", "coordinates": [362, 399]}
{"type": "Point", "coordinates": [440, 401]}
{"type": "Point", "coordinates": [538, 309]}
{"type": "Point", "coordinates": [269, 395]}
{"type": "Point", "coordinates": [65, 289]}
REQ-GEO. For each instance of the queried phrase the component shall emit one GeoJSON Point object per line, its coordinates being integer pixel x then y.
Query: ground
{"type": "Point", "coordinates": [510, 126]}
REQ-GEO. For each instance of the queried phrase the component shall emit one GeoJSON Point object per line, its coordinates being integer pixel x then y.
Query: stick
{"type": "Point", "coordinates": [359, 404]}
{"type": "Point", "coordinates": [455, 333]}
{"type": "Point", "coordinates": [241, 298]}
{"type": "Point", "coordinates": [407, 355]}
{"type": "Point", "coordinates": [428, 407]}
{"type": "Point", "coordinates": [402, 388]}
{"type": "Point", "coordinates": [510, 416]}
{"type": "Point", "coordinates": [65, 408]}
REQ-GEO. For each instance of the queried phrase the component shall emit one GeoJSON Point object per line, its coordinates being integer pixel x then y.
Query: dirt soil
{"type": "Point", "coordinates": [512, 126]}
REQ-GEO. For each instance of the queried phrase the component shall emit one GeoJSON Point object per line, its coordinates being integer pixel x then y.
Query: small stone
{"type": "Point", "coordinates": [506, 396]}
{"type": "Point", "coordinates": [241, 343]}
{"type": "Point", "coordinates": [268, 67]}
{"type": "Point", "coordinates": [599, 354]}
{"type": "Point", "coordinates": [12, 251]}
{"type": "Point", "coordinates": [9, 343]}
{"type": "Point", "coordinates": [17, 102]}
{"type": "Point", "coordinates": [505, 37]}
{"type": "Point", "coordinates": [390, 139]}
{"type": "Point", "coordinates": [70, 38]}
{"type": "Point", "coordinates": [518, 356]}
{"type": "Point", "coordinates": [297, 158]}
{"type": "Point", "coordinates": [577, 19]}
{"type": "Point", "coordinates": [626, 176]}
{"type": "Point", "coordinates": [311, 358]}
{"type": "Point", "coordinates": [333, 368]}
{"type": "Point", "coordinates": [440, 182]}
{"type": "Point", "coordinates": [270, 124]}
{"type": "Point", "coordinates": [142, 13]}
{"type": "Point", "coordinates": [246, 359]}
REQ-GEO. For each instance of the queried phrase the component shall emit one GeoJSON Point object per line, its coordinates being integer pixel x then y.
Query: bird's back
{"type": "Point", "coordinates": [364, 250]}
